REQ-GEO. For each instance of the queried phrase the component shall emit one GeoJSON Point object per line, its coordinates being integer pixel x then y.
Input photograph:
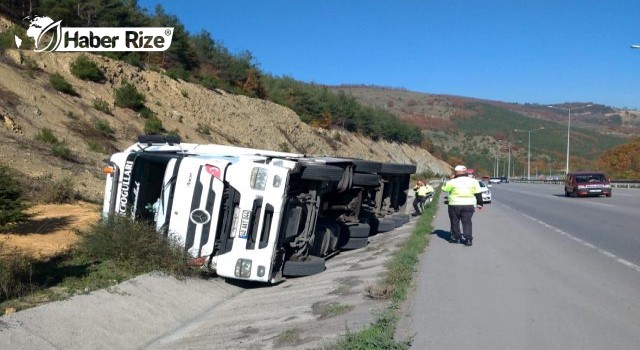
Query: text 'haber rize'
{"type": "Point", "coordinates": [133, 40]}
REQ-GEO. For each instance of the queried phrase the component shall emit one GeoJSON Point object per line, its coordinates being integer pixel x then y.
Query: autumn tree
{"type": "Point", "coordinates": [622, 162]}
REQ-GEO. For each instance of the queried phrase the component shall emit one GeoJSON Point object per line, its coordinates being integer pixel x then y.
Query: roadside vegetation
{"type": "Point", "coordinates": [109, 252]}
{"type": "Point", "coordinates": [395, 286]}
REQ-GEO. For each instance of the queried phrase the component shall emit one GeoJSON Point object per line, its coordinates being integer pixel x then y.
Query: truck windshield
{"type": "Point", "coordinates": [146, 184]}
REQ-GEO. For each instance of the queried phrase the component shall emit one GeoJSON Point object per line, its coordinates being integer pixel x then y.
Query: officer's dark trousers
{"type": "Point", "coordinates": [462, 213]}
{"type": "Point", "coordinates": [418, 203]}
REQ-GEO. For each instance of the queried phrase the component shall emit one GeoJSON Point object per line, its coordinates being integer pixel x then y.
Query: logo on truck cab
{"type": "Point", "coordinates": [126, 182]}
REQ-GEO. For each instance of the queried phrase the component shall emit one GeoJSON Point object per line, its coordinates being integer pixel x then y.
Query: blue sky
{"type": "Point", "coordinates": [510, 50]}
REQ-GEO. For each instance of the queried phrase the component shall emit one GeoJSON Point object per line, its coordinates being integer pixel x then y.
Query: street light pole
{"type": "Point", "coordinates": [569, 129]}
{"type": "Point", "coordinates": [529, 152]}
{"type": "Point", "coordinates": [509, 163]}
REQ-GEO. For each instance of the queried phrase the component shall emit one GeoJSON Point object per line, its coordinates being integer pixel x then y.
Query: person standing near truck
{"type": "Point", "coordinates": [464, 196]}
{"type": "Point", "coordinates": [423, 191]}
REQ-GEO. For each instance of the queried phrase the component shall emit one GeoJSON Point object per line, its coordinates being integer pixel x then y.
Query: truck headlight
{"type": "Point", "coordinates": [582, 186]}
{"type": "Point", "coordinates": [243, 268]}
{"type": "Point", "coordinates": [258, 179]}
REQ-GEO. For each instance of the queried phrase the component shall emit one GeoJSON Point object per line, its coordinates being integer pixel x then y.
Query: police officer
{"type": "Point", "coordinates": [464, 195]}
{"type": "Point", "coordinates": [423, 191]}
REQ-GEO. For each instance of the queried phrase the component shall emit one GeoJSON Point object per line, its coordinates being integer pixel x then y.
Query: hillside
{"type": "Point", "coordinates": [29, 105]}
{"type": "Point", "coordinates": [461, 129]}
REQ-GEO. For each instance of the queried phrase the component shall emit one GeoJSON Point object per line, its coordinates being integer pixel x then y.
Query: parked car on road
{"type": "Point", "coordinates": [587, 183]}
{"type": "Point", "coordinates": [495, 180]}
{"type": "Point", "coordinates": [486, 192]}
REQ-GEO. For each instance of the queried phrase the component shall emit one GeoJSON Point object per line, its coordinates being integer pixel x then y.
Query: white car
{"type": "Point", "coordinates": [486, 193]}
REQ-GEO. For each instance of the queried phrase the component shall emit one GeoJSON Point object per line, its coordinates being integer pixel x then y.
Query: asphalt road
{"type": "Point", "coordinates": [545, 272]}
{"type": "Point", "coordinates": [611, 224]}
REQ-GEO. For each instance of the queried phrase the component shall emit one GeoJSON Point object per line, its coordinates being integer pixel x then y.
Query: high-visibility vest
{"type": "Point", "coordinates": [462, 190]}
{"type": "Point", "coordinates": [423, 190]}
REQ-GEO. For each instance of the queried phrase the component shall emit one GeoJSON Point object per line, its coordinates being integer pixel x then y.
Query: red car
{"type": "Point", "coordinates": [587, 183]}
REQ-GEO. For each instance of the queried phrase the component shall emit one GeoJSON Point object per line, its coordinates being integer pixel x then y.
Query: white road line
{"type": "Point", "coordinates": [583, 243]}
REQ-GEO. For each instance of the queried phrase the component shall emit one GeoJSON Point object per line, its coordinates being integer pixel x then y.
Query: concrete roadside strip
{"type": "Point", "coordinates": [152, 311]}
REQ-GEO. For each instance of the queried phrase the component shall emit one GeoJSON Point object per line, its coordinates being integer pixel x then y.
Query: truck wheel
{"type": "Point", "coordinates": [309, 266]}
{"type": "Point", "coordinates": [386, 225]}
{"type": "Point", "coordinates": [405, 217]}
{"type": "Point", "coordinates": [355, 243]}
{"type": "Point", "coordinates": [322, 172]}
{"type": "Point", "coordinates": [357, 230]}
{"type": "Point", "coordinates": [366, 179]}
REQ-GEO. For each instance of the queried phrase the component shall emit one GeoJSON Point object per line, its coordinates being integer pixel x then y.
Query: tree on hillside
{"type": "Point", "coordinates": [622, 162]}
{"type": "Point", "coordinates": [12, 206]}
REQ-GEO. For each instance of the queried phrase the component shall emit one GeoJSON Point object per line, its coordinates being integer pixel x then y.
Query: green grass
{"type": "Point", "coordinates": [398, 280]}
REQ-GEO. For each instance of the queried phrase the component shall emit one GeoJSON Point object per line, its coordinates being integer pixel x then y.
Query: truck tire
{"type": "Point", "coordinates": [355, 243]}
{"type": "Point", "coordinates": [150, 139]}
{"type": "Point", "coordinates": [405, 218]}
{"type": "Point", "coordinates": [311, 265]}
{"type": "Point", "coordinates": [366, 179]}
{"type": "Point", "coordinates": [398, 169]}
{"type": "Point", "coordinates": [357, 230]}
{"type": "Point", "coordinates": [322, 172]}
{"type": "Point", "coordinates": [386, 225]}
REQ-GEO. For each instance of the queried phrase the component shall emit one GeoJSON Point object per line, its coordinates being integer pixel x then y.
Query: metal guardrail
{"type": "Point", "coordinates": [614, 183]}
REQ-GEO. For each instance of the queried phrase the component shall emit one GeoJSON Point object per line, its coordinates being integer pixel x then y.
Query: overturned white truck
{"type": "Point", "coordinates": [255, 214]}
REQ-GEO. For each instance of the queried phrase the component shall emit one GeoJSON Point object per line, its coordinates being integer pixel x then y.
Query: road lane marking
{"type": "Point", "coordinates": [584, 243]}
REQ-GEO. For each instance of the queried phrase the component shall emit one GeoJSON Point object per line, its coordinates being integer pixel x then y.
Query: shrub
{"type": "Point", "coordinates": [15, 273]}
{"type": "Point", "coordinates": [153, 125]}
{"type": "Point", "coordinates": [103, 127]}
{"type": "Point", "coordinates": [203, 129]}
{"type": "Point", "coordinates": [30, 65]}
{"type": "Point", "coordinates": [7, 37]}
{"type": "Point", "coordinates": [59, 83]}
{"type": "Point", "coordinates": [59, 191]}
{"type": "Point", "coordinates": [46, 135]}
{"type": "Point", "coordinates": [146, 112]}
{"type": "Point", "coordinates": [12, 207]}
{"type": "Point", "coordinates": [84, 68]}
{"type": "Point", "coordinates": [60, 150]}
{"type": "Point", "coordinates": [46, 189]}
{"type": "Point", "coordinates": [127, 96]}
{"type": "Point", "coordinates": [96, 147]}
{"type": "Point", "coordinates": [136, 244]}
{"type": "Point", "coordinates": [101, 105]}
